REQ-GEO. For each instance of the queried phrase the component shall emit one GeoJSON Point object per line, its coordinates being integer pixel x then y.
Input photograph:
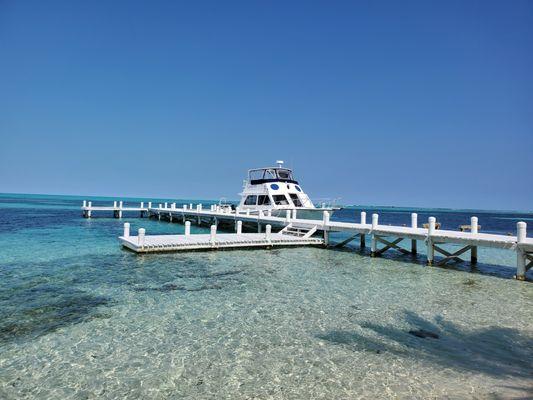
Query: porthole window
{"type": "Point", "coordinates": [274, 186]}
{"type": "Point", "coordinates": [298, 188]}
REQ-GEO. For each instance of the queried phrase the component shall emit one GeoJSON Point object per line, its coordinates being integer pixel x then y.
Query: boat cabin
{"type": "Point", "coordinates": [273, 188]}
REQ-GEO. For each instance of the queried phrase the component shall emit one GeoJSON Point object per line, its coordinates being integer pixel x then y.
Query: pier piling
{"type": "Point", "coordinates": [374, 242]}
{"type": "Point", "coordinates": [522, 257]}
{"type": "Point", "coordinates": [414, 224]}
{"type": "Point", "coordinates": [431, 231]}
{"type": "Point", "coordinates": [363, 236]}
{"type": "Point", "coordinates": [268, 232]}
{"type": "Point", "coordinates": [213, 236]}
{"type": "Point", "coordinates": [473, 231]}
{"type": "Point", "coordinates": [140, 236]}
{"type": "Point", "coordinates": [126, 230]}
{"type": "Point", "coordinates": [325, 222]}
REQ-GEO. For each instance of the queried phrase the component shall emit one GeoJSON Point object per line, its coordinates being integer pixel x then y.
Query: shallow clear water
{"type": "Point", "coordinates": [81, 318]}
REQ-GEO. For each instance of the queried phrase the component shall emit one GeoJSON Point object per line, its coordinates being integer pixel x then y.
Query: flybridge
{"type": "Point", "coordinates": [270, 174]}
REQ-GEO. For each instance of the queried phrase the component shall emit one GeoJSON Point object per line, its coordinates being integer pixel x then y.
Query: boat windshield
{"type": "Point", "coordinates": [270, 174]}
{"type": "Point", "coordinates": [284, 174]}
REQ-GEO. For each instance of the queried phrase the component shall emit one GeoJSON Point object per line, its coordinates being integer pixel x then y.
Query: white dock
{"type": "Point", "coordinates": [117, 208]}
{"type": "Point", "coordinates": [160, 243]}
{"type": "Point", "coordinates": [383, 237]}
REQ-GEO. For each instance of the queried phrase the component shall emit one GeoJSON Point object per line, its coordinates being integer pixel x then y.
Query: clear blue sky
{"type": "Point", "coordinates": [407, 103]}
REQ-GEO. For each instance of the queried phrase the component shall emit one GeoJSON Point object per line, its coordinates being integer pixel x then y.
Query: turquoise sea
{"type": "Point", "coordinates": [80, 318]}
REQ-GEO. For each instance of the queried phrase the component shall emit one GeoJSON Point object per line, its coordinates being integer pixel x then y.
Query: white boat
{"type": "Point", "coordinates": [275, 189]}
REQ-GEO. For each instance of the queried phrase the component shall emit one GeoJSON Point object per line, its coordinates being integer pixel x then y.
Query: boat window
{"type": "Point", "coordinates": [256, 174]}
{"type": "Point", "coordinates": [263, 200]}
{"type": "Point", "coordinates": [250, 201]}
{"type": "Point", "coordinates": [269, 174]}
{"type": "Point", "coordinates": [295, 199]}
{"type": "Point", "coordinates": [284, 174]}
{"type": "Point", "coordinates": [281, 200]}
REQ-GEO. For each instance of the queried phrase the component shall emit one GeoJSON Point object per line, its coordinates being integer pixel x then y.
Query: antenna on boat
{"type": "Point", "coordinates": [280, 163]}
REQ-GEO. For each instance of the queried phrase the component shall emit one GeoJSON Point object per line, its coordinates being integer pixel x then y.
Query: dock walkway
{"type": "Point", "coordinates": [383, 237]}
{"type": "Point", "coordinates": [162, 243]}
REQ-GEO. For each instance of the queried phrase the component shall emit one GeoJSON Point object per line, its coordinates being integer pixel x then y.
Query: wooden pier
{"type": "Point", "coordinates": [382, 237]}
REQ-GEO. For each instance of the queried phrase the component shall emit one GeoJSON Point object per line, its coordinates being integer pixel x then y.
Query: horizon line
{"type": "Point", "coordinates": [354, 206]}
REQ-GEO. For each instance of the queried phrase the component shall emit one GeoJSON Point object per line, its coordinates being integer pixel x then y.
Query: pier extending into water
{"type": "Point", "coordinates": [382, 237]}
{"type": "Point", "coordinates": [143, 243]}
{"type": "Point", "coordinates": [117, 208]}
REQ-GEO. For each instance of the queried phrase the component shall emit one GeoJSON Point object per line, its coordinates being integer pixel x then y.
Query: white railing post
{"type": "Point", "coordinates": [325, 222]}
{"type": "Point", "coordinates": [149, 204]}
{"type": "Point", "coordinates": [375, 221]}
{"type": "Point", "coordinates": [294, 214]}
{"type": "Point", "coordinates": [126, 230]}
{"type": "Point", "coordinates": [325, 218]}
{"type": "Point", "coordinates": [432, 224]}
{"type": "Point", "coordinates": [287, 215]}
{"type": "Point", "coordinates": [84, 203]}
{"type": "Point", "coordinates": [184, 207]}
{"type": "Point", "coordinates": [521, 232]}
{"type": "Point", "coordinates": [248, 211]}
{"type": "Point", "coordinates": [213, 233]}
{"type": "Point", "coordinates": [115, 204]}
{"type": "Point", "coordinates": [120, 204]}
{"type": "Point", "coordinates": [142, 204]}
{"type": "Point", "coordinates": [187, 228]}
{"type": "Point", "coordinates": [363, 218]}
{"type": "Point", "coordinates": [521, 260]}
{"type": "Point", "coordinates": [140, 237]}
{"type": "Point", "coordinates": [432, 221]}
{"type": "Point", "coordinates": [239, 227]}
{"type": "Point", "coordinates": [89, 204]}
{"type": "Point", "coordinates": [473, 225]}
{"type": "Point", "coordinates": [268, 233]}
{"type": "Point", "coordinates": [190, 206]}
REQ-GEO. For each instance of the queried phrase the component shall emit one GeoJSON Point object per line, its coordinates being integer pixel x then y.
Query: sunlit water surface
{"type": "Point", "coordinates": [81, 318]}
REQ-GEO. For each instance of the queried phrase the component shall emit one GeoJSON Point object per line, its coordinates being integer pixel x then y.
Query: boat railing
{"type": "Point", "coordinates": [327, 202]}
